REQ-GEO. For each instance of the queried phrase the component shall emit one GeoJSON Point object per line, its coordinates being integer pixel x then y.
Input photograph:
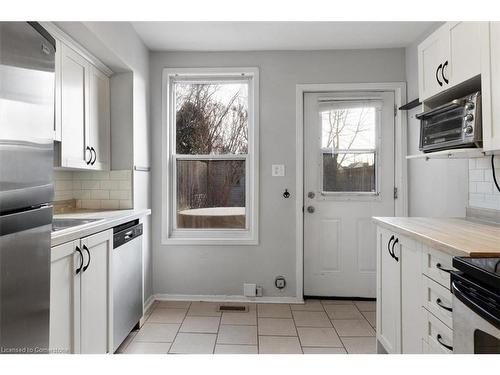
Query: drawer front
{"type": "Point", "coordinates": [437, 265]}
{"type": "Point", "coordinates": [437, 335]}
{"type": "Point", "coordinates": [438, 300]}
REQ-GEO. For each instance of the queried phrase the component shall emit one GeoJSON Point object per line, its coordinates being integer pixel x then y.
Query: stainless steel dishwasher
{"type": "Point", "coordinates": [127, 279]}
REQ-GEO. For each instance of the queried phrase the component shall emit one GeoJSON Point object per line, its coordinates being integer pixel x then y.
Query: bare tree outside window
{"type": "Point", "coordinates": [211, 119]}
{"type": "Point", "coordinates": [348, 149]}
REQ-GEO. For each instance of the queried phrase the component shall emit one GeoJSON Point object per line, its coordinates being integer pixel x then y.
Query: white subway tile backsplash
{"type": "Point", "coordinates": [482, 190]}
{"type": "Point", "coordinates": [91, 204]}
{"type": "Point", "coordinates": [476, 175]}
{"type": "Point", "coordinates": [95, 189]}
{"type": "Point", "coordinates": [90, 185]}
{"type": "Point", "coordinates": [99, 194]}
{"type": "Point", "coordinates": [110, 204]}
{"type": "Point", "coordinates": [125, 184]}
{"type": "Point", "coordinates": [120, 194]}
{"type": "Point", "coordinates": [484, 187]}
{"type": "Point", "coordinates": [119, 175]}
{"type": "Point", "coordinates": [483, 163]}
{"type": "Point", "coordinates": [110, 184]}
{"type": "Point", "coordinates": [125, 204]}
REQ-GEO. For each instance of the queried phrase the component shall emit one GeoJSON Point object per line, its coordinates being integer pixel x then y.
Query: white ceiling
{"type": "Point", "coordinates": [254, 36]}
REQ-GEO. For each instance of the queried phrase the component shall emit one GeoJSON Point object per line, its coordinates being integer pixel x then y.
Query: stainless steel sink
{"type": "Point", "coordinates": [61, 224]}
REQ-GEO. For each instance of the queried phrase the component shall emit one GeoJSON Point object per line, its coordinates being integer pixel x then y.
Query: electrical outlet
{"type": "Point", "coordinates": [278, 170]}
{"type": "Point", "coordinates": [249, 290]}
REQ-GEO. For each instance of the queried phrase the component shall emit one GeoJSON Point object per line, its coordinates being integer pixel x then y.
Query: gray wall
{"type": "Point", "coordinates": [435, 187]}
{"type": "Point", "coordinates": [209, 270]}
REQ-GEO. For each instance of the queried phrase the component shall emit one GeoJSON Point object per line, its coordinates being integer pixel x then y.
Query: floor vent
{"type": "Point", "coordinates": [233, 308]}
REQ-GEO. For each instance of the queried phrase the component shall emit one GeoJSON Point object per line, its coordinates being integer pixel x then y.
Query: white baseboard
{"type": "Point", "coordinates": [225, 298]}
{"type": "Point", "coordinates": [149, 302]}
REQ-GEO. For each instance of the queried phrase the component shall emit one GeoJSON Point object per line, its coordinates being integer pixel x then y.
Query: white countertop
{"type": "Point", "coordinates": [109, 219]}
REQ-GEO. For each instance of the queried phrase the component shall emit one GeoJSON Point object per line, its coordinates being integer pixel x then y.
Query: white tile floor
{"type": "Point", "coordinates": [316, 327]}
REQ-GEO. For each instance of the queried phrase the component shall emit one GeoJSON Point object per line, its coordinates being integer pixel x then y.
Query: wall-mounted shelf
{"type": "Point", "coordinates": [459, 153]}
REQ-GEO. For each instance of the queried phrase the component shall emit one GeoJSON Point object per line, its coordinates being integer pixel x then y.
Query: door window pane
{"type": "Point", "coordinates": [348, 128]}
{"type": "Point", "coordinates": [211, 194]}
{"type": "Point", "coordinates": [211, 118]}
{"type": "Point", "coordinates": [349, 172]}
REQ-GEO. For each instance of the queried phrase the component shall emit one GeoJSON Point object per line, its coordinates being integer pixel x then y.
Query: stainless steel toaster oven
{"type": "Point", "coordinates": [456, 124]}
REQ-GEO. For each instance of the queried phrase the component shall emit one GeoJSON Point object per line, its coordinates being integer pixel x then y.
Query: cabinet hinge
{"type": "Point", "coordinates": [395, 192]}
{"type": "Point", "coordinates": [395, 110]}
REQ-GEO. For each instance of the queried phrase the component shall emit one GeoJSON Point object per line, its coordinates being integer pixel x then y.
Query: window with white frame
{"type": "Point", "coordinates": [211, 164]}
{"type": "Point", "coordinates": [349, 144]}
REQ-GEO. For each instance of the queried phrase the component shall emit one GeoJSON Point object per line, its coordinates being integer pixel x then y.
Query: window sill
{"type": "Point", "coordinates": [245, 238]}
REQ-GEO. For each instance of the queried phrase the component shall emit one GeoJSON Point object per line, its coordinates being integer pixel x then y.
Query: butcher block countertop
{"type": "Point", "coordinates": [455, 236]}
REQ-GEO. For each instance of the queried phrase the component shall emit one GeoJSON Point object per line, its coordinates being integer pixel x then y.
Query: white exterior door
{"type": "Point", "coordinates": [348, 178]}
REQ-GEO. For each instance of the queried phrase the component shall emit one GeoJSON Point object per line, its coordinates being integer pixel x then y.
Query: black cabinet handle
{"type": "Point", "coordinates": [440, 267]}
{"type": "Point", "coordinates": [439, 338]}
{"type": "Point", "coordinates": [389, 246]}
{"type": "Point", "coordinates": [88, 149]}
{"type": "Point", "coordinates": [393, 254]}
{"type": "Point", "coordinates": [440, 67]}
{"type": "Point", "coordinates": [92, 150]}
{"type": "Point", "coordinates": [81, 260]}
{"type": "Point", "coordinates": [442, 72]}
{"type": "Point", "coordinates": [440, 304]}
{"type": "Point", "coordinates": [88, 263]}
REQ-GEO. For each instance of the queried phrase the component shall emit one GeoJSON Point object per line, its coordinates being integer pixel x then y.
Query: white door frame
{"type": "Point", "coordinates": [400, 171]}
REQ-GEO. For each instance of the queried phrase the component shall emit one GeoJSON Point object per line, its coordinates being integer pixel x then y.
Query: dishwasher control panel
{"type": "Point", "coordinates": [126, 232]}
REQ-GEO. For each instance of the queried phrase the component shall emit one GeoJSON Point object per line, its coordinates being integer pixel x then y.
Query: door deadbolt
{"type": "Point", "coordinates": [310, 209]}
{"type": "Point", "coordinates": [311, 195]}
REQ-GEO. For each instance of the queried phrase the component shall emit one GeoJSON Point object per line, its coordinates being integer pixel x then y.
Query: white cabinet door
{"type": "Point", "coordinates": [96, 293]}
{"type": "Point", "coordinates": [388, 292]}
{"type": "Point", "coordinates": [465, 51]}
{"type": "Point", "coordinates": [64, 334]}
{"type": "Point", "coordinates": [433, 62]}
{"type": "Point", "coordinates": [490, 86]}
{"type": "Point", "coordinates": [99, 119]}
{"type": "Point", "coordinates": [74, 132]}
{"type": "Point", "coordinates": [411, 301]}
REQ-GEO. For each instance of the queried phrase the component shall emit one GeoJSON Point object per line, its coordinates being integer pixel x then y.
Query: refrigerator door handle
{"type": "Point", "coordinates": [24, 220]}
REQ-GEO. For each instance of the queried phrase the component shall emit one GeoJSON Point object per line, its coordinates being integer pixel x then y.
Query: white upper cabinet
{"type": "Point", "coordinates": [74, 78]}
{"type": "Point", "coordinates": [82, 121]}
{"type": "Point", "coordinates": [490, 86]}
{"type": "Point", "coordinates": [465, 51]}
{"type": "Point", "coordinates": [448, 57]}
{"type": "Point", "coordinates": [433, 53]}
{"type": "Point", "coordinates": [99, 119]}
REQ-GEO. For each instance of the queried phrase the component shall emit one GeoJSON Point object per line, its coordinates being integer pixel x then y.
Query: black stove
{"type": "Point", "coordinates": [477, 285]}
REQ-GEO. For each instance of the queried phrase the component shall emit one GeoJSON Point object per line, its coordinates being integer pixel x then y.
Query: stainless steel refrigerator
{"type": "Point", "coordinates": [27, 81]}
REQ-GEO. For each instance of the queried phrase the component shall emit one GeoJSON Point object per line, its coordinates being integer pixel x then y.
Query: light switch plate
{"type": "Point", "coordinates": [278, 170]}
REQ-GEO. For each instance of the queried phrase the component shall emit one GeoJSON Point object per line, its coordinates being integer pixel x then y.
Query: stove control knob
{"type": "Point", "coordinates": [469, 106]}
{"type": "Point", "coordinates": [469, 118]}
{"type": "Point", "coordinates": [468, 129]}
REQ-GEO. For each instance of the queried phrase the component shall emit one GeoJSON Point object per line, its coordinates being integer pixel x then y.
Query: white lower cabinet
{"type": "Point", "coordinates": [388, 293]}
{"type": "Point", "coordinates": [81, 299]}
{"type": "Point", "coordinates": [413, 298]}
{"type": "Point", "coordinates": [64, 334]}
